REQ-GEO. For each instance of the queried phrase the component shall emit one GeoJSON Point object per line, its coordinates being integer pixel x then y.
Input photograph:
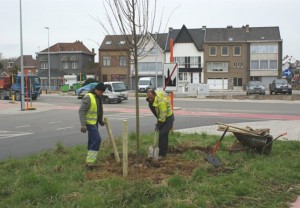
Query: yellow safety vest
{"type": "Point", "coordinates": [92, 114]}
{"type": "Point", "coordinates": [162, 106]}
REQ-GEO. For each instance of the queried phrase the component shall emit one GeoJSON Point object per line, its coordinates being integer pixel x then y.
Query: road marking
{"type": "Point", "coordinates": [9, 134]}
{"type": "Point", "coordinates": [122, 116]}
{"type": "Point", "coordinates": [54, 122]}
{"type": "Point", "coordinates": [68, 127]}
{"type": "Point", "coordinates": [22, 126]}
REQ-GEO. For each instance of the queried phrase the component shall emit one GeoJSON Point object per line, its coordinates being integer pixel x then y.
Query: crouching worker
{"type": "Point", "coordinates": [90, 115]}
{"type": "Point", "coordinates": [162, 110]}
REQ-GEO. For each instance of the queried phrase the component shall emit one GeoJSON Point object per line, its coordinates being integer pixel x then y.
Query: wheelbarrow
{"type": "Point", "coordinates": [260, 142]}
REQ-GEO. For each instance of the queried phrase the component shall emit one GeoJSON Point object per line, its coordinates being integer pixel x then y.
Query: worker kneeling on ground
{"type": "Point", "coordinates": [90, 114]}
{"type": "Point", "coordinates": [162, 110]}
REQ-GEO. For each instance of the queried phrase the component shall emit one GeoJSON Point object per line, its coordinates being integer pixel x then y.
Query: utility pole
{"type": "Point", "coordinates": [21, 62]}
{"type": "Point", "coordinates": [49, 80]}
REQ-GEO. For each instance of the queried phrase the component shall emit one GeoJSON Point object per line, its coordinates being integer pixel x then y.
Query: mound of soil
{"type": "Point", "coordinates": [154, 170]}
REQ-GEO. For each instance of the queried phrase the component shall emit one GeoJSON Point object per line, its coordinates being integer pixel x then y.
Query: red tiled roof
{"type": "Point", "coordinates": [28, 61]}
{"type": "Point", "coordinates": [67, 47]}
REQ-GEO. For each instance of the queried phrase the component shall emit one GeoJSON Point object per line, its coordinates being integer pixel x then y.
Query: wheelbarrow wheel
{"type": "Point", "coordinates": [268, 147]}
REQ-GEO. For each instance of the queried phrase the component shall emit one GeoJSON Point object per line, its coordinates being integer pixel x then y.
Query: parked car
{"type": "Point", "coordinates": [280, 86]}
{"type": "Point", "coordinates": [255, 87]}
{"type": "Point", "coordinates": [115, 91]}
{"type": "Point", "coordinates": [82, 91]}
{"type": "Point", "coordinates": [146, 83]}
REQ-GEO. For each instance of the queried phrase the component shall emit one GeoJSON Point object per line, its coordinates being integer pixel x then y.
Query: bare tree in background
{"type": "Point", "coordinates": [134, 20]}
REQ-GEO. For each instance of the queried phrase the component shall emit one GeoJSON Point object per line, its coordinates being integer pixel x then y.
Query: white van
{"type": "Point", "coordinates": [146, 83]}
{"type": "Point", "coordinates": [115, 92]}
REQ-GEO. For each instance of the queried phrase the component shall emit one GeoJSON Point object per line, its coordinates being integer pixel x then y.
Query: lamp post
{"type": "Point", "coordinates": [21, 61]}
{"type": "Point", "coordinates": [156, 59]}
{"type": "Point", "coordinates": [47, 28]}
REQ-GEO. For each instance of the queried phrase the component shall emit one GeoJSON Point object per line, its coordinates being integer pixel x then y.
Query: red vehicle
{"type": "Point", "coordinates": [10, 85]}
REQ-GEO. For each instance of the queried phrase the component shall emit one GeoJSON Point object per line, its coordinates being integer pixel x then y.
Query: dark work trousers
{"type": "Point", "coordinates": [94, 138]}
{"type": "Point", "coordinates": [164, 136]}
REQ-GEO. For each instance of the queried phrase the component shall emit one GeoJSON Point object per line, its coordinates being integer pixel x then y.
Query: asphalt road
{"type": "Point", "coordinates": [24, 134]}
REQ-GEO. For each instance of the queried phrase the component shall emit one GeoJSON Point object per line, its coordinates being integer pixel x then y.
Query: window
{"type": "Point", "coordinates": [108, 42]}
{"type": "Point", "coordinates": [195, 61]}
{"type": "Point", "coordinates": [74, 64]}
{"type": "Point", "coordinates": [264, 48]}
{"type": "Point", "coordinates": [237, 81]}
{"type": "Point", "coordinates": [65, 64]}
{"type": "Point", "coordinates": [264, 64]}
{"type": "Point", "coordinates": [149, 66]}
{"type": "Point", "coordinates": [212, 50]}
{"type": "Point", "coordinates": [254, 49]}
{"type": "Point", "coordinates": [122, 42]}
{"type": "Point", "coordinates": [106, 61]}
{"type": "Point", "coordinates": [273, 64]}
{"type": "Point", "coordinates": [44, 65]}
{"type": "Point", "coordinates": [273, 48]}
{"type": "Point", "coordinates": [225, 51]}
{"type": "Point", "coordinates": [254, 64]}
{"type": "Point", "coordinates": [180, 61]}
{"type": "Point", "coordinates": [123, 61]}
{"type": "Point", "coordinates": [237, 50]}
{"type": "Point", "coordinates": [217, 67]}
{"type": "Point", "coordinates": [183, 76]}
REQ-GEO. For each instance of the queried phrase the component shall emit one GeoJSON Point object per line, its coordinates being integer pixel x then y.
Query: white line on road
{"type": "Point", "coordinates": [54, 122]}
{"type": "Point", "coordinates": [6, 134]}
{"type": "Point", "coordinates": [22, 126]}
{"type": "Point", "coordinates": [68, 127]}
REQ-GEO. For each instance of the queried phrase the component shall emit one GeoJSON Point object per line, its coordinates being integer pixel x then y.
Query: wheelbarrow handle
{"type": "Point", "coordinates": [285, 133]}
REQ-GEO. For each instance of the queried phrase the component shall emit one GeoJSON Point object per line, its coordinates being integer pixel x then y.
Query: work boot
{"type": "Point", "coordinates": [161, 157]}
{"type": "Point", "coordinates": [90, 166]}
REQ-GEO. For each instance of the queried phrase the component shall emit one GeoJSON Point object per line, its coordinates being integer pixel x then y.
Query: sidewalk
{"type": "Point", "coordinates": [277, 127]}
{"type": "Point", "coordinates": [6, 107]}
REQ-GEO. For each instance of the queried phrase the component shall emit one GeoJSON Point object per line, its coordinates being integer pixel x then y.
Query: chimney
{"type": "Point", "coordinates": [247, 28]}
{"type": "Point", "coordinates": [203, 27]}
{"type": "Point", "coordinates": [170, 29]}
{"type": "Point", "coordinates": [93, 50]}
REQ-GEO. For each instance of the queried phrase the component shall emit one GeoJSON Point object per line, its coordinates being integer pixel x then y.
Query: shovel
{"type": "Point", "coordinates": [210, 157]}
{"type": "Point", "coordinates": [153, 151]}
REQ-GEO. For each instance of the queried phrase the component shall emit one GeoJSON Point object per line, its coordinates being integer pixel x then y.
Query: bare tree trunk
{"type": "Point", "coordinates": [136, 75]}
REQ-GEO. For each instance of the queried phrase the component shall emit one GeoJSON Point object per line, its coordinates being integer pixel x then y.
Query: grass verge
{"type": "Point", "coordinates": [58, 178]}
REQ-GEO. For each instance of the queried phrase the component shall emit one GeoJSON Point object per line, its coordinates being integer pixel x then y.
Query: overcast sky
{"type": "Point", "coordinates": [71, 20]}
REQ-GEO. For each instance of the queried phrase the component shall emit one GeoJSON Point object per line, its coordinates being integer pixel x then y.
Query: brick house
{"type": "Point", "coordinates": [114, 59]}
{"type": "Point", "coordinates": [234, 56]}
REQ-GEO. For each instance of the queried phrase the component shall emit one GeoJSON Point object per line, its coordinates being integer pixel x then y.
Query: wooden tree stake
{"type": "Point", "coordinates": [112, 140]}
{"type": "Point", "coordinates": [125, 148]}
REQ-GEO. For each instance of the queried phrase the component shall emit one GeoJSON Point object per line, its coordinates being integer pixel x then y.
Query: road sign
{"type": "Point", "coordinates": [170, 77]}
{"type": "Point", "coordinates": [288, 73]}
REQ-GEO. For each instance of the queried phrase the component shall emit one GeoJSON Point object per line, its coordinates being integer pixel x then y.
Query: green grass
{"type": "Point", "coordinates": [58, 179]}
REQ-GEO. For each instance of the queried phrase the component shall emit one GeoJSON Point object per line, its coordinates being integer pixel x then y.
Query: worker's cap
{"type": "Point", "coordinates": [100, 86]}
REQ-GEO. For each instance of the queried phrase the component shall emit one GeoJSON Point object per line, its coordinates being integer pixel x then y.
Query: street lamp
{"type": "Point", "coordinates": [47, 28]}
{"type": "Point", "coordinates": [21, 61]}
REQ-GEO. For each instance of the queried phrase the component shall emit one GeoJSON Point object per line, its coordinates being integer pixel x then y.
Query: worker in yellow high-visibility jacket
{"type": "Point", "coordinates": [90, 115]}
{"type": "Point", "coordinates": [161, 107]}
